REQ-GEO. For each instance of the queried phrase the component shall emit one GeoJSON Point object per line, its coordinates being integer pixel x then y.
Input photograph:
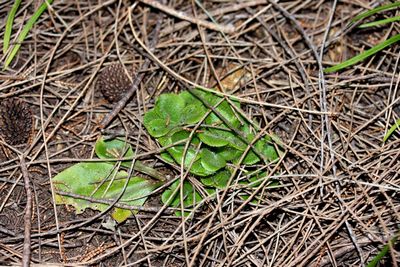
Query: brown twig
{"type": "Point", "coordinates": [28, 214]}
{"type": "Point", "coordinates": [183, 16]}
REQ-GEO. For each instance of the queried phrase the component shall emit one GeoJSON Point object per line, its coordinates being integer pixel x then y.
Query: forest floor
{"type": "Point", "coordinates": [335, 199]}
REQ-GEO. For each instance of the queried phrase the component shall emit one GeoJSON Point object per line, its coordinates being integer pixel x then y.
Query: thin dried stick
{"type": "Point", "coordinates": [217, 12]}
{"type": "Point", "coordinates": [183, 16]}
{"type": "Point", "coordinates": [26, 258]}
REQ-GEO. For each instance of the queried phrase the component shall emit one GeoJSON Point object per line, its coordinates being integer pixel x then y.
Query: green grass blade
{"type": "Point", "coordinates": [364, 55]}
{"type": "Point", "coordinates": [25, 31]}
{"type": "Point", "coordinates": [374, 11]}
{"type": "Point", "coordinates": [379, 22]}
{"type": "Point", "coordinates": [391, 130]}
{"type": "Point", "coordinates": [374, 262]}
{"type": "Point", "coordinates": [9, 24]}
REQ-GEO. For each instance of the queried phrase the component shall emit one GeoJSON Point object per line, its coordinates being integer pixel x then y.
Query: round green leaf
{"type": "Point", "coordinates": [179, 136]}
{"type": "Point", "coordinates": [114, 149]}
{"type": "Point", "coordinates": [150, 116]}
{"type": "Point", "coordinates": [211, 161]}
{"type": "Point", "coordinates": [170, 106]}
{"type": "Point", "coordinates": [212, 139]}
{"type": "Point", "coordinates": [157, 128]}
{"type": "Point", "coordinates": [229, 153]}
{"type": "Point", "coordinates": [192, 113]}
{"type": "Point", "coordinates": [198, 169]}
{"type": "Point", "coordinates": [221, 179]}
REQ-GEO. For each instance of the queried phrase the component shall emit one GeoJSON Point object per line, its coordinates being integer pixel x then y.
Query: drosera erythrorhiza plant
{"type": "Point", "coordinates": [374, 50]}
{"type": "Point", "coordinates": [208, 136]}
{"type": "Point", "coordinates": [198, 129]}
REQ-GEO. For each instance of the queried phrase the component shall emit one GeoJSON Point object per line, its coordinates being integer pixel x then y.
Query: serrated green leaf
{"type": "Point", "coordinates": [251, 158]}
{"type": "Point", "coordinates": [211, 161]}
{"type": "Point", "coordinates": [189, 98]}
{"type": "Point", "coordinates": [230, 137]}
{"type": "Point", "coordinates": [213, 120]}
{"type": "Point", "coordinates": [178, 151]}
{"type": "Point", "coordinates": [212, 139]}
{"type": "Point", "coordinates": [150, 115]}
{"type": "Point", "coordinates": [266, 147]}
{"type": "Point", "coordinates": [167, 157]}
{"type": "Point", "coordinates": [83, 179]}
{"type": "Point", "coordinates": [198, 169]}
{"type": "Point", "coordinates": [208, 181]}
{"type": "Point", "coordinates": [229, 153]}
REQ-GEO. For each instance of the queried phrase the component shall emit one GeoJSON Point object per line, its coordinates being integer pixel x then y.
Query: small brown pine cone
{"type": "Point", "coordinates": [16, 121]}
{"type": "Point", "coordinates": [113, 82]}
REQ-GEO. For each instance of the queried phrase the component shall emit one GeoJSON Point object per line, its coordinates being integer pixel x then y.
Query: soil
{"type": "Point", "coordinates": [336, 200]}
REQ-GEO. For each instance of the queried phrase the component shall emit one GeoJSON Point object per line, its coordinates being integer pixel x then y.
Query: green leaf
{"type": "Point", "coordinates": [192, 113]}
{"type": "Point", "coordinates": [379, 22]}
{"type": "Point", "coordinates": [9, 24]}
{"type": "Point", "coordinates": [266, 147]}
{"type": "Point", "coordinates": [213, 119]}
{"type": "Point", "coordinates": [221, 179]}
{"type": "Point", "coordinates": [374, 11]}
{"type": "Point", "coordinates": [170, 106]}
{"type": "Point", "coordinates": [157, 128]}
{"type": "Point", "coordinates": [211, 161]}
{"type": "Point", "coordinates": [151, 115]}
{"type": "Point", "coordinates": [179, 136]}
{"type": "Point", "coordinates": [114, 149]}
{"type": "Point", "coordinates": [229, 153]}
{"type": "Point", "coordinates": [172, 198]}
{"type": "Point", "coordinates": [212, 139]}
{"type": "Point", "coordinates": [189, 98]}
{"type": "Point", "coordinates": [208, 181]}
{"type": "Point", "coordinates": [391, 130]}
{"type": "Point", "coordinates": [167, 157]}
{"type": "Point", "coordinates": [28, 26]}
{"type": "Point", "coordinates": [177, 153]}
{"type": "Point", "coordinates": [251, 158]}
{"type": "Point", "coordinates": [223, 108]}
{"type": "Point", "coordinates": [197, 168]}
{"type": "Point", "coordinates": [364, 55]}
{"type": "Point", "coordinates": [230, 137]}
{"type": "Point", "coordinates": [83, 179]}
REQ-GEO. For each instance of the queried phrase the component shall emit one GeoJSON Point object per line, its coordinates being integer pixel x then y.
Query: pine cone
{"type": "Point", "coordinates": [113, 82]}
{"type": "Point", "coordinates": [16, 121]}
